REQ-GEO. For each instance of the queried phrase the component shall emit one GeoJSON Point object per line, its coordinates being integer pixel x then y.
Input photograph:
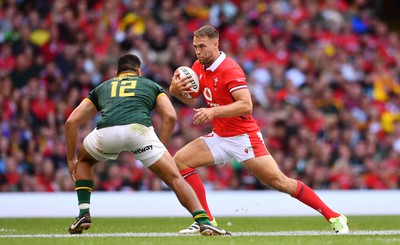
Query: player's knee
{"type": "Point", "coordinates": [180, 163]}
{"type": "Point", "coordinates": [174, 182]}
{"type": "Point", "coordinates": [279, 183]}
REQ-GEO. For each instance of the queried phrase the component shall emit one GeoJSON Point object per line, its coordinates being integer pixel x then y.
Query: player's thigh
{"type": "Point", "coordinates": [165, 168]}
{"type": "Point", "coordinates": [267, 171]}
{"type": "Point", "coordinates": [193, 155]}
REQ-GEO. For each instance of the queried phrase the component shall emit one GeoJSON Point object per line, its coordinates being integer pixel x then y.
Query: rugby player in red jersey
{"type": "Point", "coordinates": [236, 134]}
{"type": "Point", "coordinates": [125, 103]}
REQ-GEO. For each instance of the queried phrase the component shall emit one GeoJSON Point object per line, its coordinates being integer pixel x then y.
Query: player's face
{"type": "Point", "coordinates": [204, 48]}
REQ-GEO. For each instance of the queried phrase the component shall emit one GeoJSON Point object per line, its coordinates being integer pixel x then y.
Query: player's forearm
{"type": "Point", "coordinates": [237, 108]}
{"type": "Point", "coordinates": [167, 128]}
{"type": "Point", "coordinates": [71, 137]}
{"type": "Point", "coordinates": [183, 99]}
{"type": "Point", "coordinates": [177, 93]}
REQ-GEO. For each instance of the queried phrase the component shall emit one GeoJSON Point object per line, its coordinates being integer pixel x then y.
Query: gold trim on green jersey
{"type": "Point", "coordinates": [91, 102]}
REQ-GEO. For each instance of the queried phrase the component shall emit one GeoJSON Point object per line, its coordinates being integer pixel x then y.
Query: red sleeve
{"type": "Point", "coordinates": [235, 79]}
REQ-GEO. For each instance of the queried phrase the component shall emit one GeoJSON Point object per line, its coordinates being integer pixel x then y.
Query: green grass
{"type": "Point", "coordinates": [116, 227]}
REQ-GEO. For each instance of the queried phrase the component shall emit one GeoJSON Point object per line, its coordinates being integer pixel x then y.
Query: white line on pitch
{"type": "Point", "coordinates": [166, 234]}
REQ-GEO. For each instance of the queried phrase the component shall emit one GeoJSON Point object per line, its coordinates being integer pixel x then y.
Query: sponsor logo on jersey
{"type": "Point", "coordinates": [208, 97]}
{"type": "Point", "coordinates": [144, 149]}
{"type": "Point", "coordinates": [211, 104]}
{"type": "Point", "coordinates": [207, 94]}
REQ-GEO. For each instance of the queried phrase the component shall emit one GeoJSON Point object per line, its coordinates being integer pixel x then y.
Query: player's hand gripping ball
{"type": "Point", "coordinates": [193, 90]}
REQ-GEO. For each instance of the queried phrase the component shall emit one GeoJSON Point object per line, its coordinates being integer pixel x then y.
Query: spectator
{"type": "Point", "coordinates": [323, 75]}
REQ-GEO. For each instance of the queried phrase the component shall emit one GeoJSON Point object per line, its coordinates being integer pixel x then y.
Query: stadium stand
{"type": "Point", "coordinates": [324, 76]}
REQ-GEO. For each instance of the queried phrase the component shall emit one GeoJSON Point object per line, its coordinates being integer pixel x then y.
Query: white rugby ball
{"type": "Point", "coordinates": [193, 90]}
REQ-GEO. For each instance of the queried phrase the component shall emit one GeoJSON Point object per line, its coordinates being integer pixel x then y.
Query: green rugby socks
{"type": "Point", "coordinates": [84, 189]}
{"type": "Point", "coordinates": [201, 217]}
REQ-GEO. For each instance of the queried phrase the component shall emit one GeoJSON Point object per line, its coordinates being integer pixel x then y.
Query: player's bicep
{"type": "Point", "coordinates": [242, 95]}
{"type": "Point", "coordinates": [243, 102]}
{"type": "Point", "coordinates": [83, 113]}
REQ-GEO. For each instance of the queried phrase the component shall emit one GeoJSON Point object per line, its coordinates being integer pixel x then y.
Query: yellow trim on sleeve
{"type": "Point", "coordinates": [91, 102]}
{"type": "Point", "coordinates": [161, 94]}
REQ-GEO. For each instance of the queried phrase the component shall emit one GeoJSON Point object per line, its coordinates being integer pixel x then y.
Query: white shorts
{"type": "Point", "coordinates": [142, 141]}
{"type": "Point", "coordinates": [241, 147]}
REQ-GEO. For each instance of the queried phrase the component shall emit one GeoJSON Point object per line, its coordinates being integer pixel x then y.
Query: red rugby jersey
{"type": "Point", "coordinates": [217, 83]}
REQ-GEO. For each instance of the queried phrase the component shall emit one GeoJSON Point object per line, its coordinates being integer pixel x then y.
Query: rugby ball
{"type": "Point", "coordinates": [193, 90]}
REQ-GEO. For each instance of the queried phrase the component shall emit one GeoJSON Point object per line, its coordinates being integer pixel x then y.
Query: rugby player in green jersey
{"type": "Point", "coordinates": [125, 103]}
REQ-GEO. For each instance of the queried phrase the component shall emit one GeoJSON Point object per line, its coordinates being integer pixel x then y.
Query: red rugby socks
{"type": "Point", "coordinates": [307, 196]}
{"type": "Point", "coordinates": [194, 181]}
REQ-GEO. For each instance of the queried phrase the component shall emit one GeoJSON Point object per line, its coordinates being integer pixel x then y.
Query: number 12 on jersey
{"type": "Point", "coordinates": [123, 86]}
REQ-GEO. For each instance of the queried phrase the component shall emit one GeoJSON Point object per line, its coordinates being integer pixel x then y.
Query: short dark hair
{"type": "Point", "coordinates": [128, 62]}
{"type": "Point", "coordinates": [206, 31]}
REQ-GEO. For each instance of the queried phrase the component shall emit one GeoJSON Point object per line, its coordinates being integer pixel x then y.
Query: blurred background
{"type": "Point", "coordinates": [324, 76]}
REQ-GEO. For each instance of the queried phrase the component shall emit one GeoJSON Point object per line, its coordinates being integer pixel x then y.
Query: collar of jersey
{"type": "Point", "coordinates": [127, 74]}
{"type": "Point", "coordinates": [217, 62]}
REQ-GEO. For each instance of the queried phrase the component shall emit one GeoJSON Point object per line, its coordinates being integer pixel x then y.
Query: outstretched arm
{"type": "Point", "coordinates": [82, 114]}
{"type": "Point", "coordinates": [168, 116]}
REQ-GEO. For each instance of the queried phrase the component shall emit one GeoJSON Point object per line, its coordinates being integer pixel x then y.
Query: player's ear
{"type": "Point", "coordinates": [139, 72]}
{"type": "Point", "coordinates": [216, 43]}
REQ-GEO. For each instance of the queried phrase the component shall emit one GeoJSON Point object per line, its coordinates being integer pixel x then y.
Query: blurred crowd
{"type": "Point", "coordinates": [324, 76]}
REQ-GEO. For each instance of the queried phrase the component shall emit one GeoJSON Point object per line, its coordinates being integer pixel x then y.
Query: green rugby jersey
{"type": "Point", "coordinates": [125, 99]}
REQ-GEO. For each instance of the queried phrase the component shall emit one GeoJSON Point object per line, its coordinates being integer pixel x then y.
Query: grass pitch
{"type": "Point", "coordinates": [160, 231]}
